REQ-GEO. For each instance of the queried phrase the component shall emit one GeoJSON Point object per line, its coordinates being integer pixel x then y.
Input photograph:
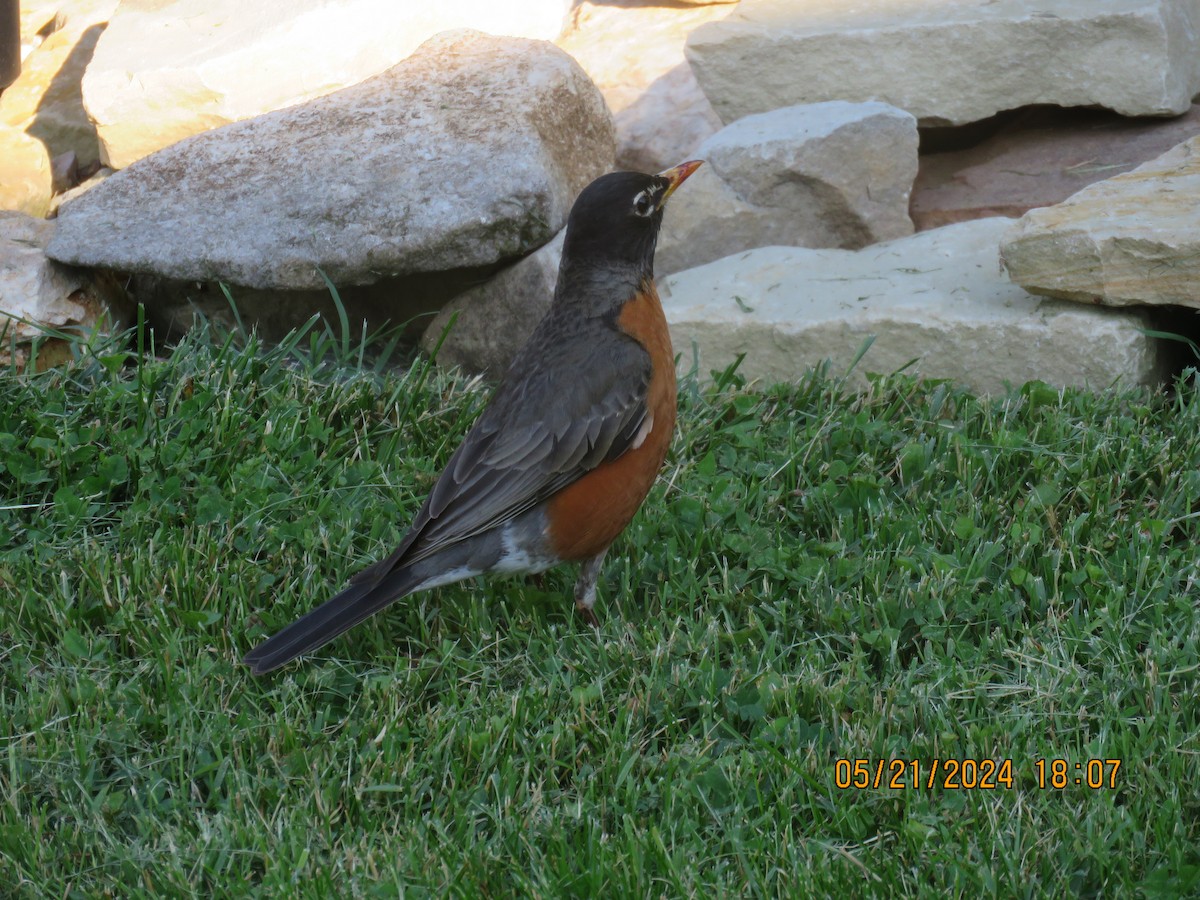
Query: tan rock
{"type": "Point", "coordinates": [934, 303]}
{"type": "Point", "coordinates": [46, 101]}
{"type": "Point", "coordinates": [1132, 239]}
{"type": "Point", "coordinates": [37, 294]}
{"type": "Point", "coordinates": [213, 62]}
{"type": "Point", "coordinates": [25, 179]}
{"type": "Point", "coordinates": [634, 54]}
{"type": "Point", "coordinates": [38, 20]}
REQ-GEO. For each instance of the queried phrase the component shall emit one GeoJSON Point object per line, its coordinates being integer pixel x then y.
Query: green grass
{"type": "Point", "coordinates": [909, 574]}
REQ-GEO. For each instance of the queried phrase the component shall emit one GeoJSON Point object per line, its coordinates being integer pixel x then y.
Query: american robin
{"type": "Point", "coordinates": [567, 448]}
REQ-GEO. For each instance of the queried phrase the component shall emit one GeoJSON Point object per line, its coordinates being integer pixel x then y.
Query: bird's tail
{"type": "Point", "coordinates": [332, 618]}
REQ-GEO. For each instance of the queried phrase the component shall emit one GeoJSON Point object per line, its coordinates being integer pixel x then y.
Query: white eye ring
{"type": "Point", "coordinates": [643, 204]}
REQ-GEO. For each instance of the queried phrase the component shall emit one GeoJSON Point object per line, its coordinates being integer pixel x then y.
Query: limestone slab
{"type": "Point", "coordinates": [830, 174]}
{"type": "Point", "coordinates": [935, 303]}
{"type": "Point", "coordinates": [950, 62]}
{"type": "Point", "coordinates": [1132, 239]}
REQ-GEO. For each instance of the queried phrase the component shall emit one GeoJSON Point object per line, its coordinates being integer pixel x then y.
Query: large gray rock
{"type": "Point", "coordinates": [822, 175]}
{"type": "Point", "coordinates": [468, 153]}
{"type": "Point", "coordinates": [1132, 239]}
{"type": "Point", "coordinates": [949, 62]}
{"type": "Point", "coordinates": [212, 62]}
{"type": "Point", "coordinates": [489, 323]}
{"type": "Point", "coordinates": [937, 297]}
{"type": "Point", "coordinates": [37, 294]}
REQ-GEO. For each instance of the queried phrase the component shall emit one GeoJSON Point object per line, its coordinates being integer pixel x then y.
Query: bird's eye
{"type": "Point", "coordinates": [643, 204]}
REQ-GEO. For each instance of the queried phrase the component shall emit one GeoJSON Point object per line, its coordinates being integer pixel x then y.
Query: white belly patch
{"type": "Point", "coordinates": [515, 556]}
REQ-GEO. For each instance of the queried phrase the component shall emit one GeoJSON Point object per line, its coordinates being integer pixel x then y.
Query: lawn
{"type": "Point", "coordinates": [913, 575]}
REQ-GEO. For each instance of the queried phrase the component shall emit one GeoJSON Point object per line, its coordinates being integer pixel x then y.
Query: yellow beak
{"type": "Point", "coordinates": [677, 175]}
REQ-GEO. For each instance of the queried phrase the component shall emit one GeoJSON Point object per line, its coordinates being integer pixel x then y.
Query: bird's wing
{"type": "Point", "coordinates": [538, 434]}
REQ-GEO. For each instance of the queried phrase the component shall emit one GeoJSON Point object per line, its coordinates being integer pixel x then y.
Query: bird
{"type": "Point", "coordinates": [570, 443]}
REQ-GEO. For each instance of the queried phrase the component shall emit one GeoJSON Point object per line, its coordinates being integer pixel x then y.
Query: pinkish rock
{"type": "Point", "coordinates": [1040, 158]}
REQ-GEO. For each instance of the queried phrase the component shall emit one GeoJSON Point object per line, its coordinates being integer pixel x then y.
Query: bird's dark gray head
{"type": "Point", "coordinates": [615, 220]}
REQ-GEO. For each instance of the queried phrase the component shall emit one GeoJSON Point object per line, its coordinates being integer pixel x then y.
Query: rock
{"type": "Point", "coordinates": [1131, 239]}
{"type": "Point", "coordinates": [823, 175]}
{"type": "Point", "coordinates": [64, 172]}
{"type": "Point", "coordinates": [213, 62]}
{"type": "Point", "coordinates": [36, 293]}
{"type": "Point", "coordinates": [78, 190]}
{"type": "Point", "coordinates": [46, 100]}
{"type": "Point", "coordinates": [492, 321]}
{"type": "Point", "coordinates": [953, 61]}
{"type": "Point", "coordinates": [38, 19]}
{"type": "Point", "coordinates": [1040, 158]}
{"type": "Point", "coordinates": [42, 18]}
{"type": "Point", "coordinates": [466, 154]}
{"type": "Point", "coordinates": [937, 297]}
{"type": "Point", "coordinates": [25, 179]}
{"type": "Point", "coordinates": [634, 54]}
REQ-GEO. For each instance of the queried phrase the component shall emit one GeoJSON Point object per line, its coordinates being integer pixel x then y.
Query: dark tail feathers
{"type": "Point", "coordinates": [327, 621]}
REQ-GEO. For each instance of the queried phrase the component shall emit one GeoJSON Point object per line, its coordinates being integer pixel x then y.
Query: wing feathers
{"type": "Point", "coordinates": [522, 451]}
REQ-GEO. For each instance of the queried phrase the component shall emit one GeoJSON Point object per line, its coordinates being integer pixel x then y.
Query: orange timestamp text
{"type": "Point", "coordinates": [970, 774]}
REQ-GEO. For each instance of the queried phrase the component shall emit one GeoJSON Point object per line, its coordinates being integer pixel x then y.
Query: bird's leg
{"type": "Point", "coordinates": [585, 588]}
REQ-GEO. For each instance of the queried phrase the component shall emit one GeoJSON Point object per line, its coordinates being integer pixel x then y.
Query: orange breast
{"type": "Point", "coordinates": [588, 515]}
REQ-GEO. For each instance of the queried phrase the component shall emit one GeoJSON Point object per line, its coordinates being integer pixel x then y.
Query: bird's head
{"type": "Point", "coordinates": [616, 218]}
